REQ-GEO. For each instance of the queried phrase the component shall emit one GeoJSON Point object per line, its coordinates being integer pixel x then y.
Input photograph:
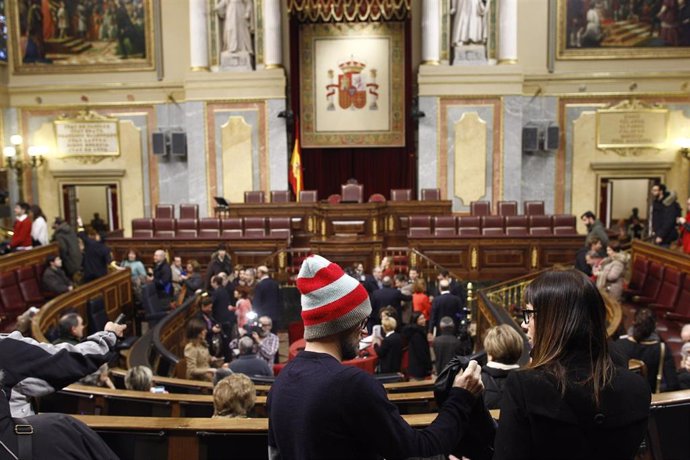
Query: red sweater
{"type": "Point", "coordinates": [22, 233]}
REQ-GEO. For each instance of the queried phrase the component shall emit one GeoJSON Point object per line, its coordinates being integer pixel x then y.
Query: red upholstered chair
{"type": "Point", "coordinates": [445, 226]}
{"type": "Point", "coordinates": [164, 228]}
{"type": "Point", "coordinates": [308, 196]}
{"type": "Point", "coordinates": [231, 227]}
{"type": "Point", "coordinates": [187, 224]}
{"type": "Point", "coordinates": [401, 194]}
{"type": "Point", "coordinates": [507, 208]}
{"type": "Point", "coordinates": [534, 208]}
{"type": "Point", "coordinates": [565, 231]}
{"type": "Point", "coordinates": [419, 232]}
{"type": "Point", "coordinates": [189, 211]}
{"type": "Point", "coordinates": [517, 231]}
{"type": "Point", "coordinates": [480, 208]}
{"type": "Point", "coordinates": [186, 233]}
{"type": "Point", "coordinates": [493, 232]}
{"type": "Point", "coordinates": [493, 222]}
{"type": "Point", "coordinates": [652, 284]}
{"type": "Point", "coordinates": [469, 226]}
{"type": "Point", "coordinates": [540, 222]}
{"type": "Point", "coordinates": [29, 287]}
{"type": "Point", "coordinates": [431, 194]}
{"type": "Point", "coordinates": [420, 226]}
{"type": "Point", "coordinates": [334, 199]}
{"type": "Point", "coordinates": [352, 193]}
{"type": "Point", "coordinates": [165, 211]}
{"type": "Point", "coordinates": [540, 231]}
{"type": "Point", "coordinates": [255, 227]}
{"type": "Point", "coordinates": [142, 228]}
{"type": "Point", "coordinates": [377, 198]}
{"type": "Point", "coordinates": [670, 290]}
{"type": "Point", "coordinates": [279, 227]}
{"type": "Point", "coordinates": [640, 268]}
{"type": "Point", "coordinates": [681, 312]}
{"type": "Point", "coordinates": [280, 196]}
{"type": "Point", "coordinates": [10, 295]}
{"type": "Point", "coordinates": [564, 220]}
{"type": "Point", "coordinates": [209, 227]}
{"type": "Point", "coordinates": [254, 197]}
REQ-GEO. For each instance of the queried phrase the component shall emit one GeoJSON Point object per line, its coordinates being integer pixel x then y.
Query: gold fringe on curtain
{"type": "Point", "coordinates": [349, 10]}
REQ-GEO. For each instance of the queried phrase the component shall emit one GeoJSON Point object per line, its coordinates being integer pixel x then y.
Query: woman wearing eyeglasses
{"type": "Point", "coordinates": [571, 402]}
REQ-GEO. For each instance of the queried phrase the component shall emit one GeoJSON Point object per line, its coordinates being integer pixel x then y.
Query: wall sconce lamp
{"type": "Point", "coordinates": [684, 147]}
{"type": "Point", "coordinates": [13, 154]}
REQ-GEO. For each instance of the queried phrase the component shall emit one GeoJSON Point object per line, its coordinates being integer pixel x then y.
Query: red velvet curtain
{"type": "Point", "coordinates": [379, 169]}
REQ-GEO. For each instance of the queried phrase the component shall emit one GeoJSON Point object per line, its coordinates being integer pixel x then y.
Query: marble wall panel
{"type": "Point", "coordinates": [427, 158]}
{"type": "Point", "coordinates": [278, 150]}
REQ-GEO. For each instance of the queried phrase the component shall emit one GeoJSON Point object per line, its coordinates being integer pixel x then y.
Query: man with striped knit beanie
{"type": "Point", "coordinates": [320, 408]}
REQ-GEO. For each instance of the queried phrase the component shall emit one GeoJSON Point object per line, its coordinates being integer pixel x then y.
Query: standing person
{"type": "Point", "coordinates": [387, 296]}
{"type": "Point", "coordinates": [419, 363]}
{"type": "Point", "coordinates": [137, 268]}
{"type": "Point", "coordinates": [96, 254]}
{"type": "Point", "coordinates": [220, 263]}
{"type": "Point", "coordinates": [178, 272]}
{"type": "Point", "coordinates": [39, 227]}
{"type": "Point", "coordinates": [221, 302]}
{"type": "Point", "coordinates": [390, 349]}
{"type": "Point", "coordinates": [21, 238]}
{"type": "Point", "coordinates": [192, 280]}
{"type": "Point", "coordinates": [503, 346]}
{"type": "Point", "coordinates": [267, 297]}
{"type": "Point", "coordinates": [420, 300]}
{"type": "Point", "coordinates": [571, 401]}
{"type": "Point", "coordinates": [242, 306]}
{"type": "Point", "coordinates": [684, 223]}
{"type": "Point", "coordinates": [665, 211]}
{"type": "Point", "coordinates": [612, 272]}
{"type": "Point", "coordinates": [447, 345]}
{"type": "Point", "coordinates": [319, 408]}
{"type": "Point", "coordinates": [446, 304]}
{"type": "Point", "coordinates": [161, 275]}
{"type": "Point", "coordinates": [199, 364]}
{"type": "Point", "coordinates": [595, 228]}
{"type": "Point", "coordinates": [68, 241]}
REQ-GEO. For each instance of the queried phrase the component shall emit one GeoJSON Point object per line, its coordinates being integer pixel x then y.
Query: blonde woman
{"type": "Point", "coordinates": [234, 396]}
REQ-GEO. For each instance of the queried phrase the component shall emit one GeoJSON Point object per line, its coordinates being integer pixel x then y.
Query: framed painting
{"type": "Point", "coordinates": [617, 29]}
{"type": "Point", "coordinates": [3, 32]}
{"type": "Point", "coordinates": [73, 36]}
{"type": "Point", "coordinates": [352, 85]}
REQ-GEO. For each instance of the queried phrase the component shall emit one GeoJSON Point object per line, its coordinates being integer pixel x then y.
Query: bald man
{"type": "Point", "coordinates": [685, 334]}
{"type": "Point", "coordinates": [268, 299]}
{"type": "Point", "coordinates": [161, 276]}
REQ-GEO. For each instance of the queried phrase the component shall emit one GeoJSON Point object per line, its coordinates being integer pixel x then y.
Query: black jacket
{"type": "Point", "coordinates": [648, 352]}
{"type": "Point", "coordinates": [370, 283]}
{"type": "Point", "coordinates": [445, 347]}
{"type": "Point", "coordinates": [217, 266]}
{"type": "Point", "coordinates": [221, 301]}
{"type": "Point", "coordinates": [538, 422]}
{"type": "Point", "coordinates": [494, 380]}
{"type": "Point", "coordinates": [55, 280]}
{"type": "Point", "coordinates": [581, 261]}
{"type": "Point", "coordinates": [70, 253]}
{"type": "Point", "coordinates": [390, 353]}
{"type": "Point", "coordinates": [251, 365]}
{"type": "Point", "coordinates": [268, 300]}
{"type": "Point", "coordinates": [162, 279]}
{"type": "Point", "coordinates": [387, 296]}
{"type": "Point", "coordinates": [96, 258]}
{"type": "Point", "coordinates": [664, 215]}
{"type": "Point", "coordinates": [445, 305]}
{"type": "Point", "coordinates": [419, 365]}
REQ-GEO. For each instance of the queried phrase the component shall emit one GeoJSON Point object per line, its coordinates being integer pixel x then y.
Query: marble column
{"type": "Point", "coordinates": [507, 32]}
{"type": "Point", "coordinates": [273, 52]}
{"type": "Point", "coordinates": [431, 32]}
{"type": "Point", "coordinates": [198, 35]}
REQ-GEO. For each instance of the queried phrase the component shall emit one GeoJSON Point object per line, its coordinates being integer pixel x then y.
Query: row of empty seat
{"type": "Point", "coordinates": [450, 226]}
{"type": "Point", "coordinates": [507, 208]}
{"type": "Point", "coordinates": [20, 289]}
{"type": "Point", "coordinates": [350, 193]}
{"type": "Point", "coordinates": [212, 227]}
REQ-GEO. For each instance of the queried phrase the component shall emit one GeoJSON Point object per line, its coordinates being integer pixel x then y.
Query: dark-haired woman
{"type": "Point", "coordinates": [643, 343]}
{"type": "Point", "coordinates": [200, 364]}
{"type": "Point", "coordinates": [571, 402]}
{"type": "Point", "coordinates": [39, 226]}
{"type": "Point", "coordinates": [419, 363]}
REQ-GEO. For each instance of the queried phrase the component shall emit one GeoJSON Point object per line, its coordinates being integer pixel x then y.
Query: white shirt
{"type": "Point", "coordinates": [39, 231]}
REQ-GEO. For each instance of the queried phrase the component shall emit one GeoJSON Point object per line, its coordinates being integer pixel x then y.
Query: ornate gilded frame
{"type": "Point", "coordinates": [395, 134]}
{"type": "Point", "coordinates": [85, 118]}
{"type": "Point", "coordinates": [123, 65]}
{"type": "Point", "coordinates": [563, 52]}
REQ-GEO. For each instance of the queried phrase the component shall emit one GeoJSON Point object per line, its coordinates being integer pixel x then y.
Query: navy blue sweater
{"type": "Point", "coordinates": [319, 408]}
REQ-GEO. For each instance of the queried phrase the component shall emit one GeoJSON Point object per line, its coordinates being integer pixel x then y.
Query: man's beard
{"type": "Point", "coordinates": [348, 345]}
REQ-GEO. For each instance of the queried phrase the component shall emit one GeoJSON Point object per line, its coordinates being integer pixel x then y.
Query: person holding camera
{"type": "Point", "coordinates": [266, 340]}
{"type": "Point", "coordinates": [320, 408]}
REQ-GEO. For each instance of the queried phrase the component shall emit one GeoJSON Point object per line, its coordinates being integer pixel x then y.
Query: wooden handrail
{"type": "Point", "coordinates": [35, 256]}
{"type": "Point", "coordinates": [169, 328]}
{"type": "Point", "coordinates": [115, 288]}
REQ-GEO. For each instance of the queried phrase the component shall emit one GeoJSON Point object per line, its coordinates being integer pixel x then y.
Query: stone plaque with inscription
{"type": "Point", "coordinates": [88, 135]}
{"type": "Point", "coordinates": [632, 128]}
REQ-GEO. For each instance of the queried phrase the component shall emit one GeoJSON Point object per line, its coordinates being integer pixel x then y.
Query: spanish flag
{"type": "Point", "coordinates": [295, 174]}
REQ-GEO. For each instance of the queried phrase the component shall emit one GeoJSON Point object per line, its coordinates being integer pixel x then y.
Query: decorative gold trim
{"type": "Point", "coordinates": [507, 61]}
{"type": "Point", "coordinates": [593, 53]}
{"type": "Point", "coordinates": [535, 257]}
{"type": "Point", "coordinates": [125, 65]}
{"type": "Point", "coordinates": [474, 258]}
{"type": "Point", "coordinates": [632, 106]}
{"type": "Point", "coordinates": [431, 62]}
{"type": "Point", "coordinates": [200, 68]}
{"type": "Point", "coordinates": [349, 10]}
{"type": "Point", "coordinates": [273, 66]}
{"type": "Point", "coordinates": [86, 116]}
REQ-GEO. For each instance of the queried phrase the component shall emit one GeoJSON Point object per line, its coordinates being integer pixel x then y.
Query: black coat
{"type": "Point", "coordinates": [664, 215]}
{"type": "Point", "coordinates": [581, 261]}
{"type": "Point", "coordinates": [221, 301]}
{"type": "Point", "coordinates": [445, 347]}
{"type": "Point", "coordinates": [494, 380]}
{"type": "Point", "coordinates": [96, 258]}
{"type": "Point", "coordinates": [419, 365]}
{"type": "Point", "coordinates": [387, 296]}
{"type": "Point", "coordinates": [251, 365]}
{"type": "Point", "coordinates": [71, 255]}
{"type": "Point", "coordinates": [162, 279]}
{"type": "Point", "coordinates": [369, 283]}
{"type": "Point", "coordinates": [55, 280]}
{"type": "Point", "coordinates": [648, 352]}
{"type": "Point", "coordinates": [217, 266]}
{"type": "Point", "coordinates": [538, 422]}
{"type": "Point", "coordinates": [268, 300]}
{"type": "Point", "coordinates": [445, 305]}
{"type": "Point", "coordinates": [390, 353]}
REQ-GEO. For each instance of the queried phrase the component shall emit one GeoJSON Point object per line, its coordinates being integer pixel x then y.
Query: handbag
{"type": "Point", "coordinates": [445, 378]}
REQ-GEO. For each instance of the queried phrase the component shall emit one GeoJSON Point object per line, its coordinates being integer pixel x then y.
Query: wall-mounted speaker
{"type": "Point", "coordinates": [159, 143]}
{"type": "Point", "coordinates": [552, 137]}
{"type": "Point", "coordinates": [178, 144]}
{"type": "Point", "coordinates": [530, 138]}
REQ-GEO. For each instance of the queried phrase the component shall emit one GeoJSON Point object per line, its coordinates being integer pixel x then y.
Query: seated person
{"type": "Point", "coordinates": [54, 277]}
{"type": "Point", "coordinates": [100, 378]}
{"type": "Point", "coordinates": [247, 362]}
{"type": "Point", "coordinates": [684, 371]}
{"type": "Point", "coordinates": [200, 365]}
{"type": "Point", "coordinates": [71, 329]}
{"type": "Point", "coordinates": [234, 396]}
{"type": "Point", "coordinates": [139, 378]}
{"type": "Point", "coordinates": [643, 343]}
{"type": "Point", "coordinates": [389, 350]}
{"type": "Point", "coordinates": [503, 346]}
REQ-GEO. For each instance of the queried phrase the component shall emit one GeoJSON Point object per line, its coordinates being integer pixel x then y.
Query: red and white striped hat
{"type": "Point", "coordinates": [332, 301]}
